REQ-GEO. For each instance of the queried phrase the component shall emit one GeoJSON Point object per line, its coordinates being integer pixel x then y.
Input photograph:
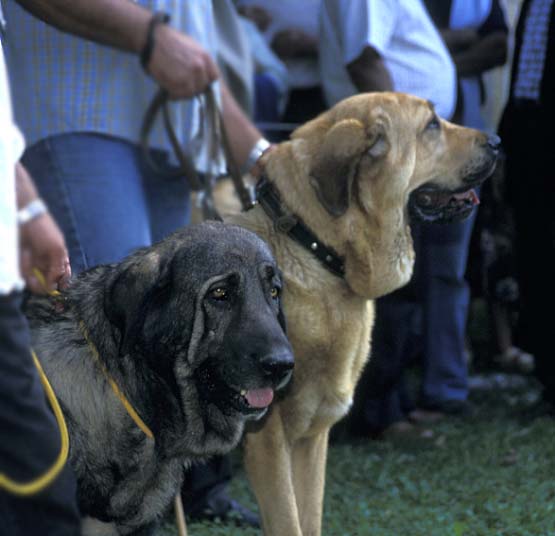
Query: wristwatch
{"type": "Point", "coordinates": [259, 148]}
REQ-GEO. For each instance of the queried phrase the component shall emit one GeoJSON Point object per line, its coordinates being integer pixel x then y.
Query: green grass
{"type": "Point", "coordinates": [492, 475]}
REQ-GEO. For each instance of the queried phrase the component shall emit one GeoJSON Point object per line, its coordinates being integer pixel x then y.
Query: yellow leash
{"type": "Point", "coordinates": [42, 482]}
{"type": "Point", "coordinates": [38, 484]}
{"type": "Point", "coordinates": [132, 413]}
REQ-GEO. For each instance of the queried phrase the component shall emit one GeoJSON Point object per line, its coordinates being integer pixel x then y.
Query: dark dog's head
{"type": "Point", "coordinates": [201, 313]}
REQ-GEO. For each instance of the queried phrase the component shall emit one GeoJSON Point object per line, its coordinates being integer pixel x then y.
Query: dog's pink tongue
{"type": "Point", "coordinates": [470, 195]}
{"type": "Point", "coordinates": [259, 398]}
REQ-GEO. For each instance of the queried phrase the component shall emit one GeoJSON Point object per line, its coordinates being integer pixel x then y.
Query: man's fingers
{"type": "Point", "coordinates": [212, 70]}
{"type": "Point", "coordinates": [181, 65]}
{"type": "Point", "coordinates": [47, 276]}
{"type": "Point", "coordinates": [63, 281]}
{"type": "Point", "coordinates": [56, 271]}
{"type": "Point", "coordinates": [202, 73]}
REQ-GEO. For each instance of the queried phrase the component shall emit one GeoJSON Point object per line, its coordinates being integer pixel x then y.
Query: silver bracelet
{"type": "Point", "coordinates": [32, 210]}
{"type": "Point", "coordinates": [256, 152]}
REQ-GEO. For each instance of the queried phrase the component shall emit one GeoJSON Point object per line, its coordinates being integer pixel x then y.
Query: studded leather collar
{"type": "Point", "coordinates": [287, 222]}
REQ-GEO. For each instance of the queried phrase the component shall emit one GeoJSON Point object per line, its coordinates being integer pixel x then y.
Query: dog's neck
{"type": "Point", "coordinates": [104, 339]}
{"type": "Point", "coordinates": [292, 225]}
{"type": "Point", "coordinates": [387, 264]}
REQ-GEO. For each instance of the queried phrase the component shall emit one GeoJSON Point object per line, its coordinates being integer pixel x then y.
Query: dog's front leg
{"type": "Point", "coordinates": [309, 475]}
{"type": "Point", "coordinates": [268, 465]}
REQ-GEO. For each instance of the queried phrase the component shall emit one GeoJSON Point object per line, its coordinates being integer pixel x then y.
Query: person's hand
{"type": "Point", "coordinates": [294, 43]}
{"type": "Point", "coordinates": [43, 248]}
{"type": "Point", "coordinates": [256, 14]}
{"type": "Point", "coordinates": [460, 39]}
{"type": "Point", "coordinates": [180, 65]}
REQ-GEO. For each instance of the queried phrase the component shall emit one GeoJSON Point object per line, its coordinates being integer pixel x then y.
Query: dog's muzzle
{"type": "Point", "coordinates": [433, 204]}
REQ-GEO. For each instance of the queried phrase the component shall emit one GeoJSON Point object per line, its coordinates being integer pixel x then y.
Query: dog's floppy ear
{"type": "Point", "coordinates": [281, 318]}
{"type": "Point", "coordinates": [335, 166]}
{"type": "Point", "coordinates": [132, 289]}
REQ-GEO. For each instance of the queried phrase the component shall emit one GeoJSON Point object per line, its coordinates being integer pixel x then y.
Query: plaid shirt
{"type": "Point", "coordinates": [62, 83]}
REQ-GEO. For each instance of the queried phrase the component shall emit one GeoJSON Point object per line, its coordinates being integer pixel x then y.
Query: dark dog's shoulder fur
{"type": "Point", "coordinates": [192, 332]}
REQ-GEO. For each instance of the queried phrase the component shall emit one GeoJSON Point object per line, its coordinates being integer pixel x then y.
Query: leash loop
{"type": "Point", "coordinates": [202, 183]}
{"type": "Point", "coordinates": [123, 399]}
{"type": "Point", "coordinates": [37, 485]}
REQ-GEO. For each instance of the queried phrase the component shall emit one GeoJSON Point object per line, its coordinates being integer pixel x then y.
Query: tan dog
{"type": "Point", "coordinates": [348, 175]}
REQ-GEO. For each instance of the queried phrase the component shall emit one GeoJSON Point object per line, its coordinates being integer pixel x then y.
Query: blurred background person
{"type": "Point", "coordinates": [475, 32]}
{"type": "Point", "coordinates": [291, 30]}
{"type": "Point", "coordinates": [403, 50]}
{"type": "Point", "coordinates": [30, 442]}
{"type": "Point", "coordinates": [530, 157]}
{"type": "Point", "coordinates": [386, 45]}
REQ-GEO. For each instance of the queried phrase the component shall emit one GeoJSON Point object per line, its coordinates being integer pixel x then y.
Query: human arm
{"type": "Point", "coordinates": [475, 50]}
{"type": "Point", "coordinates": [256, 14]}
{"type": "Point", "coordinates": [294, 43]}
{"type": "Point", "coordinates": [42, 245]}
{"type": "Point", "coordinates": [178, 63]}
{"type": "Point", "coordinates": [361, 31]}
{"type": "Point", "coordinates": [241, 132]}
{"type": "Point", "coordinates": [473, 53]}
{"type": "Point", "coordinates": [369, 73]}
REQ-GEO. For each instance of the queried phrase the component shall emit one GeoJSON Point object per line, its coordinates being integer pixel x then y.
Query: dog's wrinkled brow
{"type": "Point", "coordinates": [269, 270]}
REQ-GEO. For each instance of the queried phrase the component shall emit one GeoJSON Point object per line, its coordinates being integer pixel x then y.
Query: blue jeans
{"type": "Point", "coordinates": [442, 257]}
{"type": "Point", "coordinates": [105, 198]}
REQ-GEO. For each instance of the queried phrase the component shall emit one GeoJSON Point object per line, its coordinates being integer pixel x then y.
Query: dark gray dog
{"type": "Point", "coordinates": [192, 332]}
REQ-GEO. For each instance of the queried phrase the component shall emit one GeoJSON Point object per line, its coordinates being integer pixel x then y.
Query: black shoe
{"type": "Point", "coordinates": [454, 408]}
{"type": "Point", "coordinates": [221, 507]}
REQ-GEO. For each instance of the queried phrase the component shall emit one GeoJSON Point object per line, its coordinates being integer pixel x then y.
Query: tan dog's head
{"type": "Point", "coordinates": [391, 144]}
{"type": "Point", "coordinates": [376, 157]}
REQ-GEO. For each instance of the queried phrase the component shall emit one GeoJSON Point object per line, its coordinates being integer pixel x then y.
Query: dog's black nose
{"type": "Point", "coordinates": [277, 367]}
{"type": "Point", "coordinates": [494, 142]}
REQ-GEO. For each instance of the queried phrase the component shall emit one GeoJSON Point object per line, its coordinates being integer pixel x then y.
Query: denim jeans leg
{"type": "Point", "coordinates": [447, 296]}
{"type": "Point", "coordinates": [93, 186]}
{"type": "Point", "coordinates": [168, 199]}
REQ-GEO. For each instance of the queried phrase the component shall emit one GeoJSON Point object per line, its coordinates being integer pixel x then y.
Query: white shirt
{"type": "Point", "coordinates": [293, 14]}
{"type": "Point", "coordinates": [11, 148]}
{"type": "Point", "coordinates": [405, 37]}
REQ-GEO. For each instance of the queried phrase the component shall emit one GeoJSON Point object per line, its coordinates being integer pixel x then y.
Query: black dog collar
{"type": "Point", "coordinates": [286, 222]}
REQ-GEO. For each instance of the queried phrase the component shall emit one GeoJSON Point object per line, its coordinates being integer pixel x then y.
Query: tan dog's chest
{"type": "Point", "coordinates": [330, 335]}
{"type": "Point", "coordinates": [329, 328]}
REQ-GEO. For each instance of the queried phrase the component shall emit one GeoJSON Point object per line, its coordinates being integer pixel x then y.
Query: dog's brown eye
{"type": "Point", "coordinates": [219, 293]}
{"type": "Point", "coordinates": [274, 293]}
